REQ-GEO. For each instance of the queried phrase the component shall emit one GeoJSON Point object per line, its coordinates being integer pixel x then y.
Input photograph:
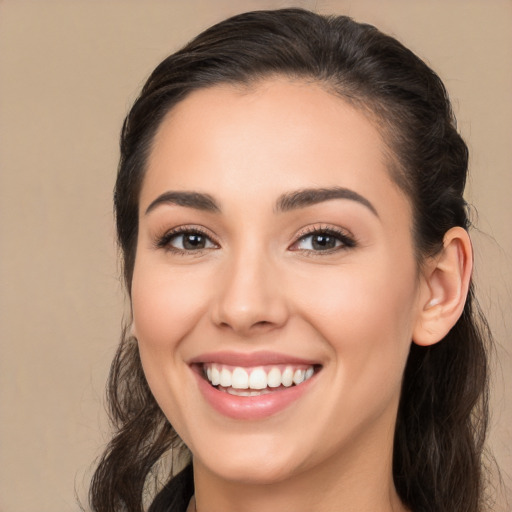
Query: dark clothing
{"type": "Point", "coordinates": [176, 494]}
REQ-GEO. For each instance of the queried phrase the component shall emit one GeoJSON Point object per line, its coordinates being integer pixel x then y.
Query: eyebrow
{"type": "Point", "coordinates": [286, 202]}
{"type": "Point", "coordinates": [311, 196]}
{"type": "Point", "coordinates": [195, 200]}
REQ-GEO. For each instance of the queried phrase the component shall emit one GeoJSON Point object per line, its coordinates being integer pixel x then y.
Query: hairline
{"type": "Point", "coordinates": [375, 110]}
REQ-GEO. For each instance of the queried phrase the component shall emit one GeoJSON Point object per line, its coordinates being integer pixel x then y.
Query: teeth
{"type": "Point", "coordinates": [287, 377]}
{"type": "Point", "coordinates": [240, 392]}
{"type": "Point", "coordinates": [258, 379]}
{"type": "Point", "coordinates": [298, 376]}
{"type": "Point", "coordinates": [225, 378]}
{"type": "Point", "coordinates": [215, 378]}
{"type": "Point", "coordinates": [240, 379]}
{"type": "Point", "coordinates": [274, 378]}
{"type": "Point", "coordinates": [255, 381]}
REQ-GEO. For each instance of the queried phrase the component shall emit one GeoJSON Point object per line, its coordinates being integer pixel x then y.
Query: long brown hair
{"type": "Point", "coordinates": [442, 416]}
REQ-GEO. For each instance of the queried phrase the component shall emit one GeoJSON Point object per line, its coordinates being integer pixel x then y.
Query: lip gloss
{"type": "Point", "coordinates": [251, 407]}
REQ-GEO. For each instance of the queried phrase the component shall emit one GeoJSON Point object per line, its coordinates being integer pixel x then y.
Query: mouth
{"type": "Point", "coordinates": [253, 386]}
{"type": "Point", "coordinates": [256, 380]}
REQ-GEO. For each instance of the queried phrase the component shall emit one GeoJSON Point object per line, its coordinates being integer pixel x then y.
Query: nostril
{"type": "Point", "coordinates": [255, 326]}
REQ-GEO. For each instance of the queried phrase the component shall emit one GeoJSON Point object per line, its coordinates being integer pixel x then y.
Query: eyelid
{"type": "Point", "coordinates": [347, 239]}
{"type": "Point", "coordinates": [163, 241]}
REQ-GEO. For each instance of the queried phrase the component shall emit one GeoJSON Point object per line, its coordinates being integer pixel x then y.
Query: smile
{"type": "Point", "coordinates": [256, 381]}
{"type": "Point", "coordinates": [253, 386]}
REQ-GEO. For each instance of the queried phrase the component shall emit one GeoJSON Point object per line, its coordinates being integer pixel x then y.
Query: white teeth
{"type": "Point", "coordinates": [287, 377]}
{"type": "Point", "coordinates": [298, 376]}
{"type": "Point", "coordinates": [225, 378]}
{"type": "Point", "coordinates": [215, 379]}
{"type": "Point", "coordinates": [274, 378]}
{"type": "Point", "coordinates": [240, 379]}
{"type": "Point", "coordinates": [256, 379]}
{"type": "Point", "coordinates": [239, 392]}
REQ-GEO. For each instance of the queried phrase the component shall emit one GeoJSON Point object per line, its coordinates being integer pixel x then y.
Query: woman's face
{"type": "Point", "coordinates": [275, 257]}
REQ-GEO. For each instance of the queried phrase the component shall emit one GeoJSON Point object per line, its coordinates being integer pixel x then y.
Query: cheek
{"type": "Point", "coordinates": [365, 315]}
{"type": "Point", "coordinates": [166, 307]}
{"type": "Point", "coordinates": [356, 299]}
{"type": "Point", "coordinates": [166, 304]}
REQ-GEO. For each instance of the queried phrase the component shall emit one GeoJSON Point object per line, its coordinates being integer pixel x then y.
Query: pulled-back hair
{"type": "Point", "coordinates": [442, 416]}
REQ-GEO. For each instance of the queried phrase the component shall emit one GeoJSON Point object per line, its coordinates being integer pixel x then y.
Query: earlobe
{"type": "Point", "coordinates": [445, 284]}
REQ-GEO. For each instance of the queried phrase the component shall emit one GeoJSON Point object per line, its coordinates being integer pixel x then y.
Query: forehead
{"type": "Point", "coordinates": [265, 139]}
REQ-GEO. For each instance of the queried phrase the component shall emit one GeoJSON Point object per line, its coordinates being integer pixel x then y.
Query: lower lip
{"type": "Point", "coordinates": [251, 407]}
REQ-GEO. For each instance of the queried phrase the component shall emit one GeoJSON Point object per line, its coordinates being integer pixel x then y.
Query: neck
{"type": "Point", "coordinates": [357, 480]}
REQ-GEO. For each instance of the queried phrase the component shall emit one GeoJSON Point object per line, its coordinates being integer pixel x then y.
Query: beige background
{"type": "Point", "coordinates": [68, 72]}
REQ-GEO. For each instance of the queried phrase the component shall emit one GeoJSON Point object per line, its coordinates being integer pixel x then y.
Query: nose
{"type": "Point", "coordinates": [250, 299]}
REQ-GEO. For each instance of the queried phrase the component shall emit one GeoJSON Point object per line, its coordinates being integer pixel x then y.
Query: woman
{"type": "Point", "coordinates": [289, 208]}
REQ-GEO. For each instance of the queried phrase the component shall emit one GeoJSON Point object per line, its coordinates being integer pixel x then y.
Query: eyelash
{"type": "Point", "coordinates": [347, 241]}
{"type": "Point", "coordinates": [164, 242]}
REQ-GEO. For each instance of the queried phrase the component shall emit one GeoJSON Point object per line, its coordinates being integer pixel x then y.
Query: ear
{"type": "Point", "coordinates": [444, 288]}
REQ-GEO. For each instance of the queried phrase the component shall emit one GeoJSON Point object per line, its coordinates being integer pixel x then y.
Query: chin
{"type": "Point", "coordinates": [253, 471]}
{"type": "Point", "coordinates": [257, 458]}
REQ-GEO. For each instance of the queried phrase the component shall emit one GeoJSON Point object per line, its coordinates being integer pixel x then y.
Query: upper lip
{"type": "Point", "coordinates": [251, 359]}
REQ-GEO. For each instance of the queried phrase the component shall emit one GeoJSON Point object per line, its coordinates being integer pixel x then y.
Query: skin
{"type": "Point", "coordinates": [259, 285]}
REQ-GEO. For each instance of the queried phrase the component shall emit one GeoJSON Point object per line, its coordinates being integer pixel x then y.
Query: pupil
{"type": "Point", "coordinates": [323, 242]}
{"type": "Point", "coordinates": [193, 241]}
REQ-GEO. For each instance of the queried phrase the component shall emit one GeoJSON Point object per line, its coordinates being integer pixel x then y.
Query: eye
{"type": "Point", "coordinates": [318, 242]}
{"type": "Point", "coordinates": [186, 240]}
{"type": "Point", "coordinates": [190, 241]}
{"type": "Point", "coordinates": [323, 240]}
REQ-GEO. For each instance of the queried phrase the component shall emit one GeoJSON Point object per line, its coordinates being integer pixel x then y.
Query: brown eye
{"type": "Point", "coordinates": [187, 241]}
{"type": "Point", "coordinates": [192, 241]}
{"type": "Point", "coordinates": [323, 240]}
{"type": "Point", "coordinates": [318, 242]}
